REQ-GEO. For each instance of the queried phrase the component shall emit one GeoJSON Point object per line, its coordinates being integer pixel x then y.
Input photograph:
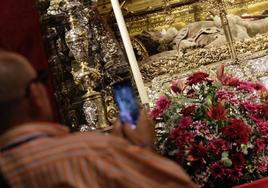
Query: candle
{"type": "Point", "coordinates": [130, 52]}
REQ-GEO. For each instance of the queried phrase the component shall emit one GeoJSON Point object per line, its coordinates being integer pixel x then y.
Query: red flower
{"type": "Point", "coordinates": [185, 122]}
{"type": "Point", "coordinates": [217, 112]}
{"type": "Point", "coordinates": [174, 133]}
{"type": "Point", "coordinates": [260, 87]}
{"type": "Point", "coordinates": [180, 133]}
{"type": "Point", "coordinates": [178, 86]}
{"type": "Point", "coordinates": [265, 109]}
{"type": "Point", "coordinates": [263, 129]}
{"type": "Point", "coordinates": [227, 96]}
{"type": "Point", "coordinates": [163, 103]}
{"type": "Point", "coordinates": [252, 108]}
{"type": "Point", "coordinates": [234, 174]}
{"type": "Point", "coordinates": [217, 146]}
{"type": "Point", "coordinates": [237, 131]}
{"type": "Point", "coordinates": [226, 79]}
{"type": "Point", "coordinates": [263, 165]}
{"type": "Point", "coordinates": [196, 155]}
{"type": "Point", "coordinates": [260, 144]}
{"type": "Point", "coordinates": [197, 77]}
{"type": "Point", "coordinates": [256, 119]}
{"type": "Point", "coordinates": [188, 110]}
{"type": "Point", "coordinates": [247, 86]}
{"type": "Point", "coordinates": [184, 139]}
{"type": "Point", "coordinates": [238, 159]}
{"type": "Point", "coordinates": [217, 171]}
{"type": "Point", "coordinates": [155, 113]}
{"type": "Point", "coordinates": [197, 151]}
{"type": "Point", "coordinates": [229, 80]}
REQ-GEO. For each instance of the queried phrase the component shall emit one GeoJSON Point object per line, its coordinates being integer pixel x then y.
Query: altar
{"type": "Point", "coordinates": [171, 39]}
{"type": "Point", "coordinates": [157, 45]}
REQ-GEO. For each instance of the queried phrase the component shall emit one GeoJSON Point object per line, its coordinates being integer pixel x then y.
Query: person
{"type": "Point", "coordinates": [38, 153]}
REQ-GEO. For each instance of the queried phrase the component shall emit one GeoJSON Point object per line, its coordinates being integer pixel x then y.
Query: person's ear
{"type": "Point", "coordinates": [40, 102]}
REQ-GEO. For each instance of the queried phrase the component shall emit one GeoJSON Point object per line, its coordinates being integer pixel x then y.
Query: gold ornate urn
{"type": "Point", "coordinates": [85, 59]}
{"type": "Point", "coordinates": [90, 104]}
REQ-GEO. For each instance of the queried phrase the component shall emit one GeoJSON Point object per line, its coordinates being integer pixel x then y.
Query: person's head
{"type": "Point", "coordinates": [22, 97]}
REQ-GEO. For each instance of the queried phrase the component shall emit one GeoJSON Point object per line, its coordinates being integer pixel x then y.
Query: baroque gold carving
{"type": "Point", "coordinates": [141, 51]}
{"type": "Point", "coordinates": [183, 15]}
{"type": "Point", "coordinates": [193, 58]}
{"type": "Point", "coordinates": [178, 16]}
{"type": "Point", "coordinates": [112, 112]}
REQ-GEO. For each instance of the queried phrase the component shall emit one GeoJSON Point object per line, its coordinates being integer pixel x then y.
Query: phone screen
{"type": "Point", "coordinates": [127, 103]}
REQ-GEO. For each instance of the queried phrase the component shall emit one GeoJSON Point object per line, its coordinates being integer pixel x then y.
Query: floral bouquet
{"type": "Point", "coordinates": [216, 129]}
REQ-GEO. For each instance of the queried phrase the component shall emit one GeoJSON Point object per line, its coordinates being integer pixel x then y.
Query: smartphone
{"type": "Point", "coordinates": [127, 102]}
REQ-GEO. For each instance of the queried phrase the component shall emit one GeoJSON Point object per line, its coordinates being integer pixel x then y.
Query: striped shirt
{"type": "Point", "coordinates": [45, 155]}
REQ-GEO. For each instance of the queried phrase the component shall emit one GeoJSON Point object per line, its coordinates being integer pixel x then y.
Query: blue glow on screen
{"type": "Point", "coordinates": [127, 103]}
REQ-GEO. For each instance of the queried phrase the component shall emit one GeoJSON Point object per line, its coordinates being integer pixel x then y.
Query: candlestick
{"type": "Point", "coordinates": [130, 52]}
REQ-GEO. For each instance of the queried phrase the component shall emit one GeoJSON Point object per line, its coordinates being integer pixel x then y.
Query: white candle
{"type": "Point", "coordinates": [130, 52]}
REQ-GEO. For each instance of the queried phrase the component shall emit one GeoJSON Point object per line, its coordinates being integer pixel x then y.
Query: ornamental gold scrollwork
{"type": "Point", "coordinates": [194, 58]}
{"type": "Point", "coordinates": [140, 49]}
{"type": "Point", "coordinates": [112, 112]}
{"type": "Point", "coordinates": [190, 12]}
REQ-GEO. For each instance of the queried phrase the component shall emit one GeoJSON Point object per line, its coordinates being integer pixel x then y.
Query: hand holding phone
{"type": "Point", "coordinates": [127, 103]}
{"type": "Point", "coordinates": [143, 135]}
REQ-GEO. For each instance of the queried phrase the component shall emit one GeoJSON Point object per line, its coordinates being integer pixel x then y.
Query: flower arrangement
{"type": "Point", "coordinates": [216, 129]}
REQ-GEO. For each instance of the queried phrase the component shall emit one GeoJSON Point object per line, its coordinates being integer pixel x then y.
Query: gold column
{"type": "Point", "coordinates": [226, 28]}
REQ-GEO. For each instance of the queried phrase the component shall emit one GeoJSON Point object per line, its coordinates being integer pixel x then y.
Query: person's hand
{"type": "Point", "coordinates": [143, 135]}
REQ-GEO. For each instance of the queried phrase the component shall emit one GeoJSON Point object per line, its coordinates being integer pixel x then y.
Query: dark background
{"type": "Point", "coordinates": [20, 32]}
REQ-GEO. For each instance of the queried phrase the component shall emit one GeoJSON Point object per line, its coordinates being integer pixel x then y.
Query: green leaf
{"type": "Point", "coordinates": [244, 148]}
{"type": "Point", "coordinates": [226, 162]}
{"type": "Point", "coordinates": [225, 155]}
